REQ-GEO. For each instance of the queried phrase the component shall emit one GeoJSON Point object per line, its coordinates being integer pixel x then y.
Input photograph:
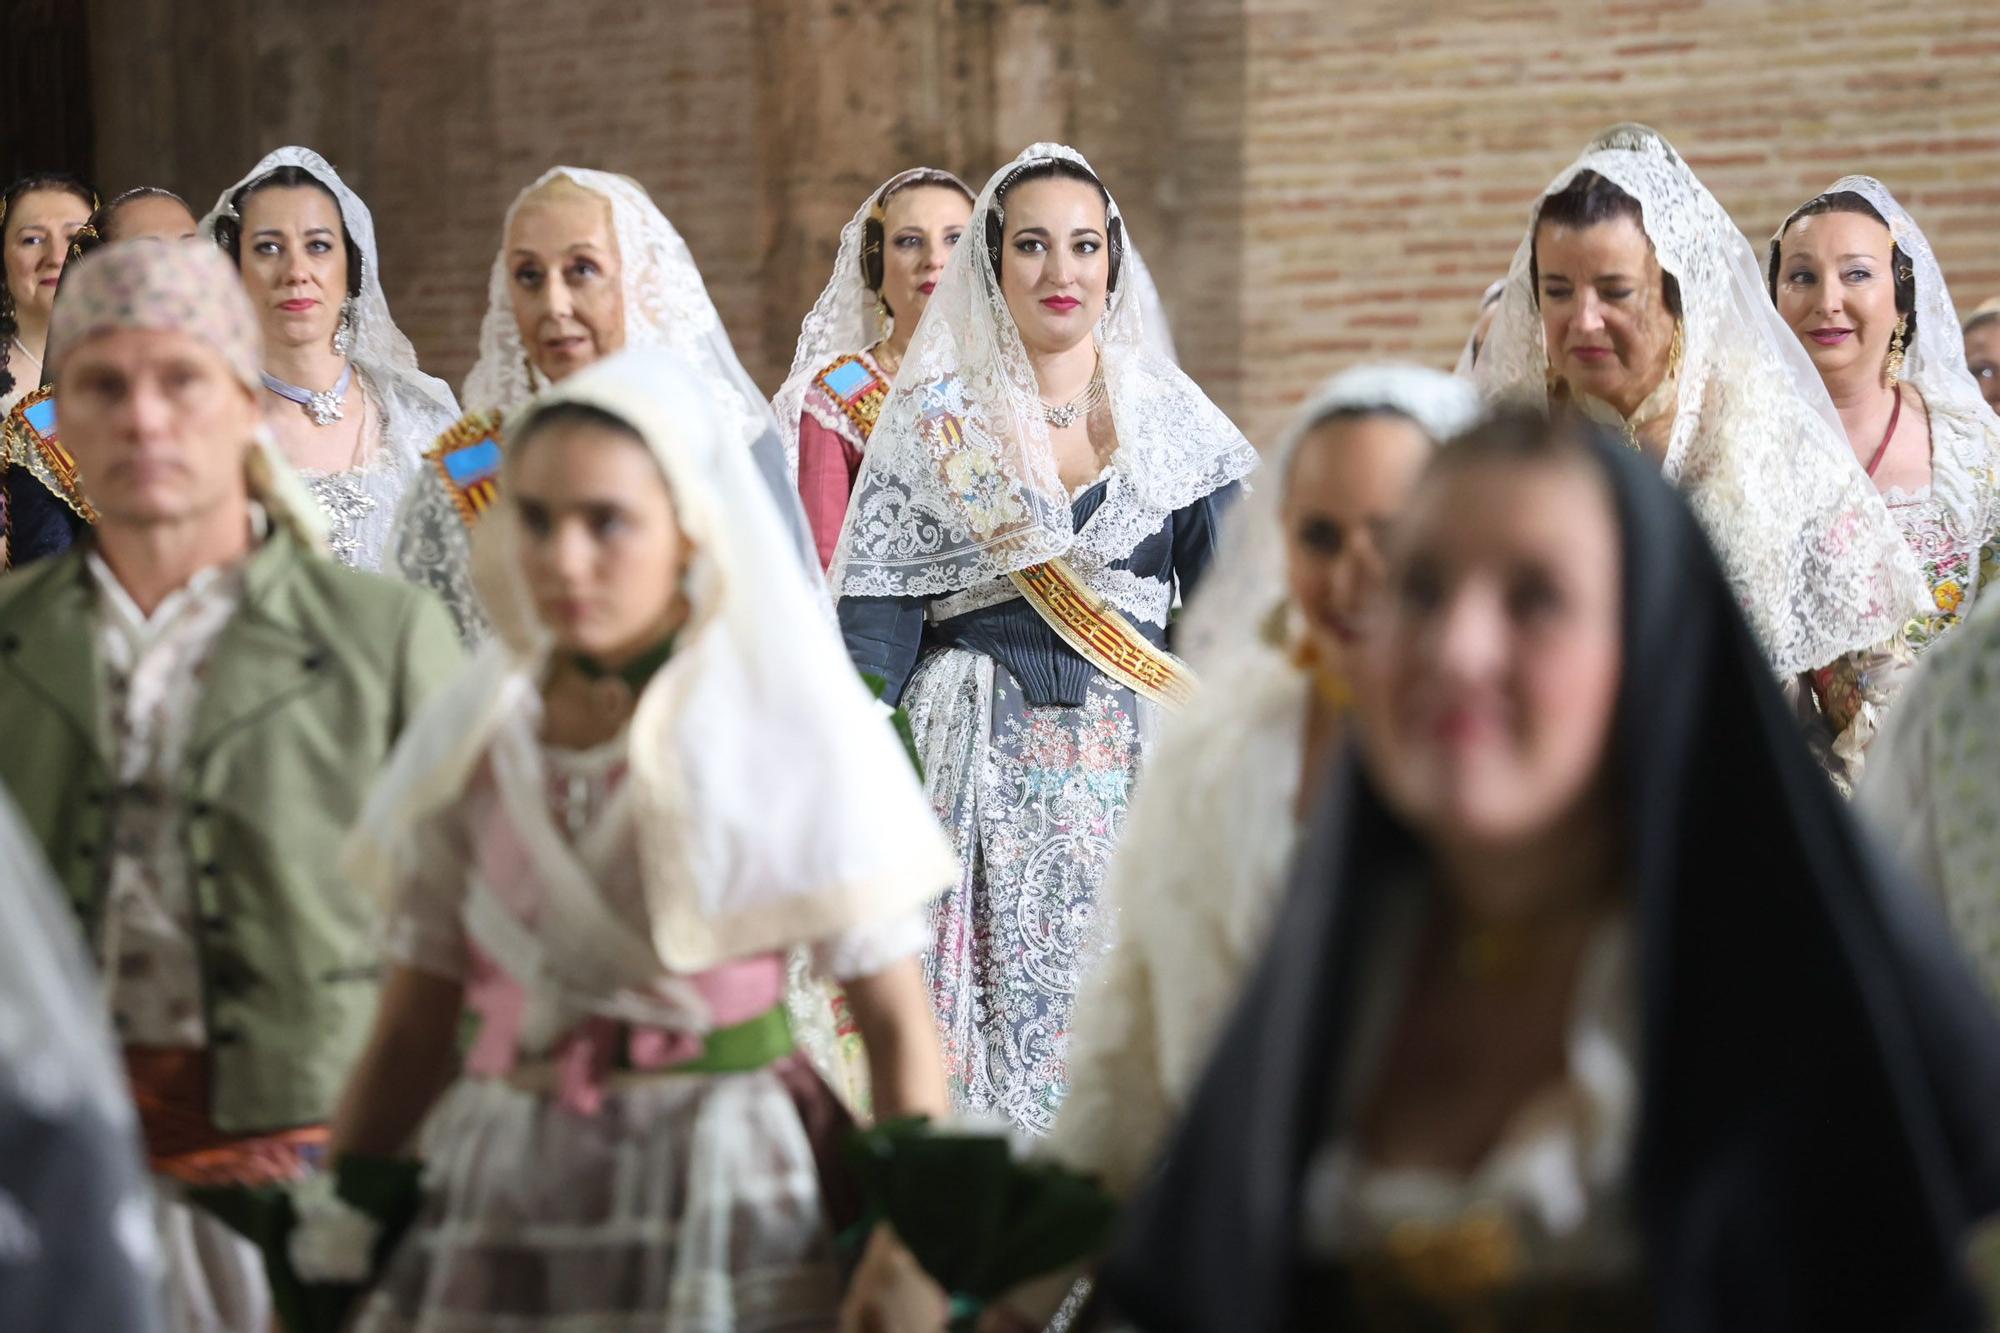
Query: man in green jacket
{"type": "Point", "coordinates": [194, 703]}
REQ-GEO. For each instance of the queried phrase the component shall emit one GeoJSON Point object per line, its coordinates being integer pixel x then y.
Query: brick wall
{"type": "Point", "coordinates": [1310, 182]}
{"type": "Point", "coordinates": [1391, 159]}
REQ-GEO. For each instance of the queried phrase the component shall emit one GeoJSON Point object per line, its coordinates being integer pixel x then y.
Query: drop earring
{"type": "Point", "coordinates": [1892, 365]}
{"type": "Point", "coordinates": [343, 333]}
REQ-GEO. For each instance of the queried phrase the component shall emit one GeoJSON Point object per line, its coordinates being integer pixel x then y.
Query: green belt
{"type": "Point", "coordinates": [743, 1047]}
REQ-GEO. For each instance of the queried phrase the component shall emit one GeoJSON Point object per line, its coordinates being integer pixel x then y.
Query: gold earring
{"type": "Point", "coordinates": [1892, 366]}
{"type": "Point", "coordinates": [1674, 356]}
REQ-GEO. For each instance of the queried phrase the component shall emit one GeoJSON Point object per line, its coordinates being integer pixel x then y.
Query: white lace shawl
{"type": "Point", "coordinates": [773, 803]}
{"type": "Point", "coordinates": [844, 320]}
{"type": "Point", "coordinates": [1965, 433]}
{"type": "Point", "coordinates": [959, 486]}
{"type": "Point", "coordinates": [360, 505]}
{"type": "Point", "coordinates": [1756, 446]}
{"type": "Point", "coordinates": [666, 305]}
{"type": "Point", "coordinates": [1246, 585]}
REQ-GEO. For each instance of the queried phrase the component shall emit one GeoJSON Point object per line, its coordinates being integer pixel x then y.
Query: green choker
{"type": "Point", "coordinates": [635, 673]}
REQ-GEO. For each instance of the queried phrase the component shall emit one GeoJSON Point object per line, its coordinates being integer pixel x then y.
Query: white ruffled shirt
{"type": "Point", "coordinates": [151, 670]}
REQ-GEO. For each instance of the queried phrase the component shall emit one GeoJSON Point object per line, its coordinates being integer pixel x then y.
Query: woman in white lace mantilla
{"type": "Point", "coordinates": [603, 840]}
{"type": "Point", "coordinates": [891, 255]}
{"type": "Point", "coordinates": [1634, 299]}
{"type": "Point", "coordinates": [1855, 278]}
{"type": "Point", "coordinates": [1040, 484]}
{"type": "Point", "coordinates": [345, 399]}
{"type": "Point", "coordinates": [587, 265]}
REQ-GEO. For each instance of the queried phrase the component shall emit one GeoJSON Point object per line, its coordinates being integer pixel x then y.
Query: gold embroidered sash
{"type": "Point", "coordinates": [1105, 639]}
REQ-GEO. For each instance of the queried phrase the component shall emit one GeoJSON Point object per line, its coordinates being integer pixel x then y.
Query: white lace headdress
{"type": "Point", "coordinates": [959, 485]}
{"type": "Point", "coordinates": [847, 316]}
{"type": "Point", "coordinates": [380, 348]}
{"type": "Point", "coordinates": [774, 805]}
{"type": "Point", "coordinates": [1965, 435]}
{"type": "Point", "coordinates": [666, 305]}
{"type": "Point", "coordinates": [1229, 612]}
{"type": "Point", "coordinates": [1756, 445]}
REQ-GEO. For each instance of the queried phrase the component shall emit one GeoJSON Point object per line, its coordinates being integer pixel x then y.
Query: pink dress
{"type": "Point", "coordinates": [573, 1179]}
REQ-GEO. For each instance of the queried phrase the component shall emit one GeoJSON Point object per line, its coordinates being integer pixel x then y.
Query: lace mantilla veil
{"type": "Point", "coordinates": [1756, 446]}
{"type": "Point", "coordinates": [380, 348]}
{"type": "Point", "coordinates": [1965, 434]}
{"type": "Point", "coordinates": [1229, 614]}
{"type": "Point", "coordinates": [666, 305]}
{"type": "Point", "coordinates": [959, 484]}
{"type": "Point", "coordinates": [844, 320]}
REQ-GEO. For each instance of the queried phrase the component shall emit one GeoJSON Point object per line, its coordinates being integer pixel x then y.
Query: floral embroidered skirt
{"type": "Point", "coordinates": [689, 1204]}
{"type": "Point", "coordinates": [1034, 800]}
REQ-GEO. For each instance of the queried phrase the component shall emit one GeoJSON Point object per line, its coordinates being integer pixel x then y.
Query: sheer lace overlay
{"type": "Point", "coordinates": [1756, 445]}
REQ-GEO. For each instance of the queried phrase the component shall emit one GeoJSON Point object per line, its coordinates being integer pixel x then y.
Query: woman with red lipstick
{"type": "Point", "coordinates": [1634, 301]}
{"type": "Point", "coordinates": [1589, 1006]}
{"type": "Point", "coordinates": [587, 265]}
{"type": "Point", "coordinates": [344, 396]}
{"type": "Point", "coordinates": [853, 342]}
{"type": "Point", "coordinates": [1854, 276]}
{"type": "Point", "coordinates": [1039, 486]}
{"type": "Point", "coordinates": [39, 216]}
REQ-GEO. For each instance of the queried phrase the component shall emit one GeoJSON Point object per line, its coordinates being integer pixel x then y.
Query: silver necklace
{"type": "Point", "coordinates": [30, 355]}
{"type": "Point", "coordinates": [1064, 416]}
{"type": "Point", "coordinates": [324, 408]}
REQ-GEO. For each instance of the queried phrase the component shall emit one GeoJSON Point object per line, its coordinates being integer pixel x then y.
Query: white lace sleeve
{"type": "Point", "coordinates": [433, 549]}
{"type": "Point", "coordinates": [866, 950]}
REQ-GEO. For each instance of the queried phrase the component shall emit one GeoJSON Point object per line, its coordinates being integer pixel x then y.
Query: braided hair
{"type": "Point", "coordinates": [63, 182]}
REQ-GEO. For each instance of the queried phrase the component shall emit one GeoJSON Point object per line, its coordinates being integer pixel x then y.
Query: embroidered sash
{"type": "Point", "coordinates": [31, 429]}
{"type": "Point", "coordinates": [468, 457]}
{"type": "Point", "coordinates": [856, 390]}
{"type": "Point", "coordinates": [1105, 639]}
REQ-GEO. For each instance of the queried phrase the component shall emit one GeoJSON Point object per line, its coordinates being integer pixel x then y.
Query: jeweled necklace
{"type": "Point", "coordinates": [324, 408]}
{"type": "Point", "coordinates": [1064, 416]}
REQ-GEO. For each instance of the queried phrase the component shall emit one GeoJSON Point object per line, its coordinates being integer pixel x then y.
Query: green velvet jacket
{"type": "Point", "coordinates": [306, 691]}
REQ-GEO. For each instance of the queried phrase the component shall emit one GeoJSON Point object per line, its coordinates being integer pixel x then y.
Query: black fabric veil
{"type": "Point", "coordinates": [1820, 1082]}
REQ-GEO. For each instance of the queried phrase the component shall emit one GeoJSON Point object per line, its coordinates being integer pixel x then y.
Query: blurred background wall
{"type": "Point", "coordinates": [1311, 182]}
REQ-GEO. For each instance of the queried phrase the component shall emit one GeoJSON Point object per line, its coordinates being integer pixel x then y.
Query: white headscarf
{"type": "Point", "coordinates": [1965, 434]}
{"type": "Point", "coordinates": [666, 305]}
{"type": "Point", "coordinates": [773, 803]}
{"type": "Point", "coordinates": [1756, 446]}
{"type": "Point", "coordinates": [847, 317]}
{"type": "Point", "coordinates": [959, 486]}
{"type": "Point", "coordinates": [1247, 583]}
{"type": "Point", "coordinates": [379, 346]}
